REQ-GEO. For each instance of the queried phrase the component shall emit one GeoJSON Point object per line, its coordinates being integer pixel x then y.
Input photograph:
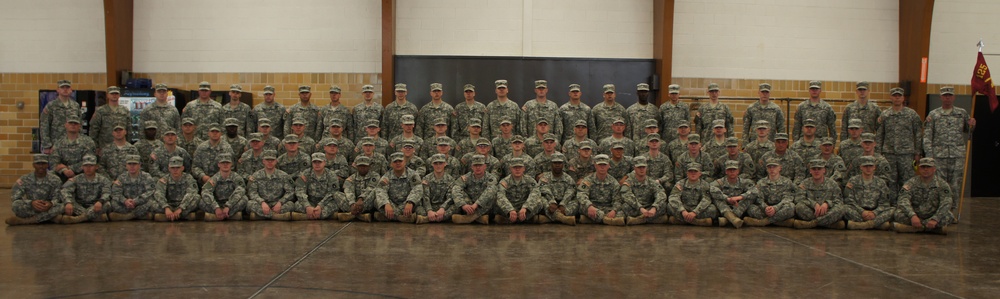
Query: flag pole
{"type": "Point", "coordinates": [968, 149]}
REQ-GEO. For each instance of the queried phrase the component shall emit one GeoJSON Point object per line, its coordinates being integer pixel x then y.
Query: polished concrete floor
{"type": "Point", "coordinates": [369, 260]}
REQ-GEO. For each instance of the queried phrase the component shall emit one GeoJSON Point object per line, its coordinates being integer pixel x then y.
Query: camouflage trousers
{"type": "Point", "coordinates": [601, 212]}
{"type": "Point", "coordinates": [185, 214]}
{"type": "Point", "coordinates": [254, 208]}
{"type": "Point", "coordinates": [531, 211]}
{"type": "Point", "coordinates": [488, 204]}
{"type": "Point", "coordinates": [88, 210]}
{"type": "Point", "coordinates": [343, 204]}
{"type": "Point", "coordinates": [900, 217]}
{"type": "Point", "coordinates": [853, 213]}
{"type": "Point", "coordinates": [139, 212]}
{"type": "Point", "coordinates": [807, 213]}
{"type": "Point", "coordinates": [397, 209]}
{"type": "Point", "coordinates": [237, 203]}
{"type": "Point", "coordinates": [901, 166]}
{"type": "Point", "coordinates": [739, 209]}
{"type": "Point", "coordinates": [710, 212]}
{"type": "Point", "coordinates": [951, 170]}
{"type": "Point", "coordinates": [633, 212]}
{"type": "Point", "coordinates": [58, 207]}
{"type": "Point", "coordinates": [781, 213]}
{"type": "Point", "coordinates": [570, 208]}
{"type": "Point", "coordinates": [422, 211]}
{"type": "Point", "coordinates": [327, 207]}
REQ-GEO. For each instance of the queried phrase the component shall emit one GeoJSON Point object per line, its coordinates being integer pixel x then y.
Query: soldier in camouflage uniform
{"type": "Point", "coordinates": [106, 118]}
{"type": "Point", "coordinates": [467, 145]}
{"type": "Point", "coordinates": [147, 145]}
{"type": "Point", "coordinates": [575, 111]}
{"type": "Point", "coordinates": [621, 164]}
{"type": "Point", "coordinates": [293, 161]}
{"type": "Point", "coordinates": [514, 205]}
{"type": "Point", "coordinates": [517, 151]}
{"type": "Point", "coordinates": [335, 161]}
{"type": "Point", "coordinates": [412, 161]}
{"type": "Point", "coordinates": [659, 166]}
{"type": "Point", "coordinates": [466, 111]}
{"type": "Point", "coordinates": [599, 196]}
{"type": "Point", "coordinates": [883, 169]}
{"type": "Point", "coordinates": [583, 164]}
{"type": "Point", "coordinates": [454, 166]}
{"type": "Point", "coordinates": [270, 191]}
{"type": "Point", "coordinates": [644, 197]}
{"type": "Point", "coordinates": [188, 139]}
{"type": "Point", "coordinates": [642, 141]}
{"type": "Point", "coordinates": [761, 145]}
{"type": "Point", "coordinates": [203, 162]}
{"type": "Point", "coordinates": [607, 113]}
{"type": "Point", "coordinates": [429, 148]}
{"type": "Point", "coordinates": [362, 113]}
{"type": "Point", "coordinates": [690, 200]}
{"type": "Point", "coordinates": [542, 161]}
{"type": "Point", "coordinates": [372, 130]}
{"type": "Point", "coordinates": [318, 190]}
{"type": "Point", "coordinates": [818, 110]}
{"type": "Point", "coordinates": [715, 144]}
{"type": "Point", "coordinates": [271, 110]}
{"type": "Point", "coordinates": [733, 194]}
{"type": "Point", "coordinates": [746, 164]}
{"type": "Point", "coordinates": [866, 199]}
{"type": "Point", "coordinates": [335, 111]}
{"type": "Point", "coordinates": [679, 145]}
{"type": "Point", "coordinates": [792, 165]}
{"type": "Point", "coordinates": [68, 150]}
{"type": "Point", "coordinates": [820, 202]}
{"type": "Point", "coordinates": [944, 140]}
{"type": "Point", "coordinates": [807, 146]}
{"type": "Point", "coordinates": [436, 204]}
{"type": "Point", "coordinates": [36, 196]}
{"type": "Point", "coordinates": [773, 197]}
{"type": "Point", "coordinates": [252, 160]}
{"type": "Point", "coordinates": [113, 154]}
{"type": "Point", "coordinates": [673, 112]}
{"type": "Point", "coordinates": [483, 147]}
{"type": "Point", "coordinates": [176, 194]}
{"type": "Point", "coordinates": [694, 154]}
{"type": "Point", "coordinates": [398, 192]}
{"type": "Point", "coordinates": [224, 196]}
{"type": "Point", "coordinates": [203, 110]}
{"type": "Point", "coordinates": [899, 136]}
{"type": "Point", "coordinates": [924, 202]}
{"type": "Point", "coordinates": [377, 161]}
{"type": "Point", "coordinates": [502, 108]}
{"type": "Point", "coordinates": [836, 169]}
{"type": "Point", "coordinates": [359, 192]}
{"type": "Point", "coordinates": [53, 119]}
{"type": "Point", "coordinates": [572, 144]}
{"type": "Point", "coordinates": [238, 110]}
{"type": "Point", "coordinates": [88, 193]}
{"type": "Point", "coordinates": [132, 192]}
{"type": "Point", "coordinates": [763, 110]}
{"type": "Point", "coordinates": [337, 136]}
{"type": "Point", "coordinates": [307, 145]}
{"type": "Point", "coordinates": [474, 193]}
{"type": "Point", "coordinates": [502, 143]}
{"type": "Point", "coordinates": [162, 113]}
{"type": "Point", "coordinates": [865, 111]}
{"type": "Point", "coordinates": [233, 136]}
{"type": "Point", "coordinates": [850, 147]}
{"type": "Point", "coordinates": [709, 112]}
{"type": "Point", "coordinates": [618, 127]}
{"type": "Point", "coordinates": [533, 144]}
{"type": "Point", "coordinates": [408, 123]}
{"type": "Point", "coordinates": [437, 108]}
{"type": "Point", "coordinates": [392, 118]}
{"type": "Point", "coordinates": [556, 190]}
{"type": "Point", "coordinates": [304, 109]}
{"type": "Point", "coordinates": [270, 140]}
{"type": "Point", "coordinates": [641, 112]}
{"type": "Point", "coordinates": [541, 108]}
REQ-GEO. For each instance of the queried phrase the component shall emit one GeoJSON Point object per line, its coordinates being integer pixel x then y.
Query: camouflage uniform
{"type": "Point", "coordinates": [293, 163]}
{"type": "Point", "coordinates": [29, 188]}
{"type": "Point", "coordinates": [381, 146]}
{"type": "Point", "coordinates": [861, 196]}
{"type": "Point", "coordinates": [328, 114]}
{"type": "Point", "coordinates": [492, 164]}
{"type": "Point", "coordinates": [780, 194]}
{"type": "Point", "coordinates": [605, 116]}
{"type": "Point", "coordinates": [580, 168]}
{"type": "Point", "coordinates": [378, 163]}
{"type": "Point", "coordinates": [430, 145]}
{"type": "Point", "coordinates": [703, 158]}
{"type": "Point", "coordinates": [362, 114]}
{"type": "Point", "coordinates": [243, 115]}
{"type": "Point", "coordinates": [270, 188]}
{"type": "Point", "coordinates": [660, 168]}
{"type": "Point", "coordinates": [748, 168]}
{"type": "Point", "coordinates": [204, 160]}
{"type": "Point", "coordinates": [571, 147]}
{"type": "Point", "coordinates": [850, 149]}
{"type": "Point", "coordinates": [541, 163]}
{"type": "Point", "coordinates": [643, 194]}
{"type": "Point", "coordinates": [806, 150]}
{"type": "Point", "coordinates": [944, 141]}
{"type": "Point", "coordinates": [692, 197]}
{"type": "Point", "coordinates": [112, 158]}
{"type": "Point", "coordinates": [429, 113]}
{"type": "Point", "coordinates": [180, 193]}
{"type": "Point", "coordinates": [504, 168]}
{"type": "Point", "coordinates": [757, 149]}
{"type": "Point", "coordinates": [899, 138]}
{"type": "Point", "coordinates": [708, 113]}
{"type": "Point", "coordinates": [822, 112]}
{"type": "Point", "coordinates": [398, 190]}
{"type": "Point", "coordinates": [607, 143]}
{"type": "Point", "coordinates": [929, 201]}
{"type": "Point", "coordinates": [549, 111]}
{"type": "Point", "coordinates": [502, 147]}
{"type": "Point", "coordinates": [161, 165]}
{"type": "Point", "coordinates": [53, 119]}
{"type": "Point", "coordinates": [819, 193]}
{"type": "Point", "coordinates": [572, 114]}
{"type": "Point", "coordinates": [274, 112]}
{"type": "Point", "coordinates": [513, 195]}
{"type": "Point", "coordinates": [557, 190]}
{"type": "Point", "coordinates": [165, 116]}
{"type": "Point", "coordinates": [190, 145]}
{"type": "Point", "coordinates": [224, 192]}
{"type": "Point", "coordinates": [868, 114]}
{"type": "Point", "coordinates": [250, 162]}
{"type": "Point", "coordinates": [462, 116]}
{"type": "Point", "coordinates": [146, 148]}
{"type": "Point", "coordinates": [239, 144]}
{"type": "Point", "coordinates": [497, 112]}
{"type": "Point", "coordinates": [757, 112]}
{"type": "Point", "coordinates": [714, 147]}
{"type": "Point", "coordinates": [639, 114]}
{"type": "Point", "coordinates": [672, 114]}
{"type": "Point", "coordinates": [319, 190]}
{"type": "Point", "coordinates": [533, 144]}
{"type": "Point", "coordinates": [104, 121]}
{"type": "Point", "coordinates": [620, 168]}
{"type": "Point", "coordinates": [882, 170]}
{"type": "Point", "coordinates": [70, 152]}
{"type": "Point", "coordinates": [203, 114]}
{"type": "Point", "coordinates": [722, 189]}
{"type": "Point", "coordinates": [605, 195]}
{"type": "Point", "coordinates": [392, 118]}
{"type": "Point", "coordinates": [141, 188]}
{"type": "Point", "coordinates": [361, 187]}
{"type": "Point", "coordinates": [469, 190]}
{"type": "Point", "coordinates": [437, 195]}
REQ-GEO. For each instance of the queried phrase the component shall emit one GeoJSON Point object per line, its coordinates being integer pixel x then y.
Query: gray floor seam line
{"type": "Point", "coordinates": [863, 265]}
{"type": "Point", "coordinates": [299, 260]}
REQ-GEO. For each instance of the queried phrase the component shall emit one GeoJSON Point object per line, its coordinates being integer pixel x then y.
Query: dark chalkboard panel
{"type": "Point", "coordinates": [418, 72]}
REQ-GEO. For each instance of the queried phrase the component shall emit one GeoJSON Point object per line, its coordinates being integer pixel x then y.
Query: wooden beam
{"type": "Point", "coordinates": [663, 45]}
{"type": "Point", "coordinates": [388, 50]}
{"type": "Point", "coordinates": [914, 45]}
{"type": "Point", "coordinates": [118, 38]}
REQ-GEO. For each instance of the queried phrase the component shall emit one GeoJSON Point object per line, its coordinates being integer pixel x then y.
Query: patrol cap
{"type": "Point", "coordinates": [204, 85]}
{"type": "Point", "coordinates": [264, 122]}
{"type": "Point", "coordinates": [815, 84]}
{"type": "Point", "coordinates": [719, 123]}
{"type": "Point", "coordinates": [269, 89]}
{"type": "Point", "coordinates": [516, 162]}
{"type": "Point", "coordinates": [541, 84]}
{"type": "Point", "coordinates": [574, 87]}
{"type": "Point", "coordinates": [618, 120]}
{"type": "Point", "coordinates": [214, 127]}
{"type": "Point", "coordinates": [947, 90]}
{"type": "Point", "coordinates": [826, 141]}
{"type": "Point", "coordinates": [674, 89]}
{"type": "Point", "coordinates": [557, 157]}
{"type": "Point", "coordinates": [642, 87]}
{"type": "Point", "coordinates": [225, 157]}
{"type": "Point", "coordinates": [477, 160]}
{"type": "Point", "coordinates": [694, 138]}
{"type": "Point", "coordinates": [114, 90]}
{"type": "Point", "coordinates": [319, 157]}
{"type": "Point", "coordinates": [336, 122]}
{"type": "Point", "coordinates": [732, 141]}
{"type": "Point", "coordinates": [298, 120]}
{"type": "Point", "coordinates": [897, 91]}
{"type": "Point", "coordinates": [732, 164]}
{"type": "Point", "coordinates": [334, 89]}
{"type": "Point", "coordinates": [505, 120]}
{"type": "Point", "coordinates": [549, 136]}
{"type": "Point", "coordinates": [169, 131]}
{"type": "Point", "coordinates": [817, 163]}
{"type": "Point", "coordinates": [540, 121]}
{"type": "Point", "coordinates": [475, 122]}
{"type": "Point", "coordinates": [256, 136]}
{"type": "Point", "coordinates": [867, 137]}
{"type": "Point", "coordinates": [441, 121]}
{"type": "Point", "coordinates": [483, 141]}
{"type": "Point", "coordinates": [580, 122]}
{"type": "Point", "coordinates": [407, 143]}
{"type": "Point", "coordinates": [231, 122]}
{"type": "Point", "coordinates": [500, 83]}
{"type": "Point", "coordinates": [367, 141]}
{"type": "Point", "coordinates": [763, 124]}
{"type": "Point", "coordinates": [372, 123]}
{"type": "Point", "coordinates": [149, 124]}
{"type": "Point", "coordinates": [653, 137]}
{"type": "Point", "coordinates": [854, 123]}
{"type": "Point", "coordinates": [469, 87]}
{"type": "Point", "coordinates": [867, 160]}
{"type": "Point", "coordinates": [187, 121]}
{"type": "Point", "coordinates": [517, 139]}
{"type": "Point", "coordinates": [863, 85]}
{"type": "Point", "coordinates": [62, 83]}
{"type": "Point", "coordinates": [683, 124]}
{"type": "Point", "coordinates": [764, 87]}
{"type": "Point", "coordinates": [129, 159]}
{"type": "Point", "coordinates": [436, 87]}
{"type": "Point", "coordinates": [773, 161]}
{"type": "Point", "coordinates": [586, 144]}
{"type": "Point", "coordinates": [160, 86]}
{"type": "Point", "coordinates": [290, 138]}
{"type": "Point", "coordinates": [602, 159]}
{"type": "Point", "coordinates": [73, 118]}
{"type": "Point", "coordinates": [713, 87]}
{"type": "Point", "coordinates": [694, 166]}
{"type": "Point", "coordinates": [609, 88]}
{"type": "Point", "coordinates": [119, 126]}
{"type": "Point", "coordinates": [927, 162]}
{"type": "Point", "coordinates": [305, 88]}
{"type": "Point", "coordinates": [175, 161]}
{"type": "Point", "coordinates": [89, 159]}
{"type": "Point", "coordinates": [269, 154]}
{"type": "Point", "coordinates": [443, 141]}
{"type": "Point", "coordinates": [617, 145]}
{"type": "Point", "coordinates": [368, 88]}
{"type": "Point", "coordinates": [809, 122]}
{"type": "Point", "coordinates": [331, 141]}
{"type": "Point", "coordinates": [236, 87]}
{"type": "Point", "coordinates": [781, 136]}
{"type": "Point", "coordinates": [640, 161]}
{"type": "Point", "coordinates": [438, 158]}
{"type": "Point", "coordinates": [362, 160]}
{"type": "Point", "coordinates": [407, 119]}
{"type": "Point", "coordinates": [651, 123]}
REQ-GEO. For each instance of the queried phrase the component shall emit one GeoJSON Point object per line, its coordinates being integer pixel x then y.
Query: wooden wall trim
{"type": "Point", "coordinates": [118, 25]}
{"type": "Point", "coordinates": [388, 50]}
{"type": "Point", "coordinates": [915, 18]}
{"type": "Point", "coordinates": [663, 45]}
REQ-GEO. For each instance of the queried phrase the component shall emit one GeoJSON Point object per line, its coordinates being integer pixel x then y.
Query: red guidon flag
{"type": "Point", "coordinates": [983, 83]}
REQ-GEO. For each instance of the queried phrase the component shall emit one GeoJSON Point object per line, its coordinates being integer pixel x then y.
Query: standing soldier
{"type": "Point", "coordinates": [774, 198]}
{"type": "Point", "coordinates": [474, 193]}
{"type": "Point", "coordinates": [303, 109]}
{"type": "Point", "coordinates": [763, 110]}
{"type": "Point", "coordinates": [574, 111]}
{"type": "Point", "coordinates": [436, 205]}
{"type": "Point", "coordinates": [398, 192]}
{"type": "Point", "coordinates": [392, 118]}
{"type": "Point", "coordinates": [437, 108]}
{"type": "Point", "coordinates": [203, 110]}
{"type": "Point", "coordinates": [557, 190]}
{"type": "Point", "coordinates": [641, 112]}
{"type": "Point", "coordinates": [107, 117]}
{"type": "Point", "coordinates": [318, 190]}
{"type": "Point", "coordinates": [818, 110]}
{"type": "Point", "coordinates": [224, 196]}
{"type": "Point", "coordinates": [238, 110]}
{"type": "Point", "coordinates": [514, 205]}
{"type": "Point", "coordinates": [944, 140]}
{"type": "Point", "coordinates": [690, 200]}
{"type": "Point", "coordinates": [850, 147]}
{"type": "Point", "coordinates": [161, 112]}
{"type": "Point", "coordinates": [68, 150]}
{"type": "Point", "coordinates": [89, 193]}
{"type": "Point", "coordinates": [113, 154]}
{"type": "Point", "coordinates": [234, 137]}
{"type": "Point", "coordinates": [862, 109]}
{"type": "Point", "coordinates": [53, 119]}
{"type": "Point", "coordinates": [271, 110]}
{"type": "Point", "coordinates": [36, 196]}
{"type": "Point", "coordinates": [188, 139]}
{"type": "Point", "coordinates": [672, 113]}
{"type": "Point", "coordinates": [709, 112]}
{"type": "Point", "coordinates": [466, 111]}
{"type": "Point", "coordinates": [541, 108]}
{"type": "Point", "coordinates": [599, 196]}
{"type": "Point", "coordinates": [866, 199]}
{"type": "Point", "coordinates": [501, 108]}
{"type": "Point", "coordinates": [607, 113]}
{"type": "Point", "coordinates": [204, 161]}
{"type": "Point", "coordinates": [899, 137]}
{"type": "Point", "coordinates": [644, 195]}
{"type": "Point", "coordinates": [732, 194]}
{"type": "Point", "coordinates": [359, 192]}
{"type": "Point", "coordinates": [924, 202]}
{"type": "Point", "coordinates": [362, 113]}
{"type": "Point", "coordinates": [336, 110]}
{"type": "Point", "coordinates": [270, 191]}
{"type": "Point", "coordinates": [820, 201]}
{"type": "Point", "coordinates": [176, 194]}
{"type": "Point", "coordinates": [132, 192]}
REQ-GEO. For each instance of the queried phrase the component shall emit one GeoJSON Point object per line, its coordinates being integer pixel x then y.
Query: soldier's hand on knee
{"type": "Point", "coordinates": [688, 216]}
{"type": "Point", "coordinates": [98, 206]}
{"type": "Point", "coordinates": [219, 214]}
{"type": "Point", "coordinates": [915, 221]}
{"type": "Point", "coordinates": [389, 213]}
{"type": "Point", "coordinates": [611, 214]}
{"type": "Point", "coordinates": [553, 207]}
{"type": "Point", "coordinates": [265, 208]}
{"type": "Point", "coordinates": [468, 209]}
{"type": "Point", "coordinates": [931, 224]}
{"type": "Point", "coordinates": [769, 211]}
{"type": "Point", "coordinates": [130, 203]}
{"type": "Point", "coordinates": [592, 212]}
{"type": "Point", "coordinates": [408, 209]}
{"type": "Point", "coordinates": [523, 214]}
{"type": "Point", "coordinates": [868, 215]}
{"type": "Point", "coordinates": [512, 216]}
{"type": "Point", "coordinates": [39, 205]}
{"type": "Point", "coordinates": [68, 209]}
{"type": "Point", "coordinates": [277, 207]}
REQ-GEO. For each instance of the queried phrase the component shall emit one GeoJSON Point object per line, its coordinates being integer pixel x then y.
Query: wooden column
{"type": "Point", "coordinates": [914, 44]}
{"type": "Point", "coordinates": [663, 45]}
{"type": "Point", "coordinates": [118, 38]}
{"type": "Point", "coordinates": [388, 50]}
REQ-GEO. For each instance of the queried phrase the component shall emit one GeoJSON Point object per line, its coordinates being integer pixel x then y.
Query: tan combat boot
{"type": "Point", "coordinates": [287, 216]}
{"type": "Point", "coordinates": [750, 221]}
{"type": "Point", "coordinates": [885, 226]}
{"type": "Point", "coordinates": [837, 225]}
{"type": "Point", "coordinates": [407, 219]}
{"type": "Point", "coordinates": [804, 224]}
{"type": "Point", "coordinates": [861, 225]}
{"type": "Point", "coordinates": [904, 228]}
{"type": "Point", "coordinates": [120, 217]}
{"type": "Point", "coordinates": [542, 219]}
{"type": "Point", "coordinates": [635, 220]}
{"type": "Point", "coordinates": [562, 218]}
{"type": "Point", "coordinates": [675, 221]}
{"type": "Point", "coordinates": [211, 217]}
{"type": "Point", "coordinates": [617, 221]}
{"type": "Point", "coordinates": [422, 220]}
{"type": "Point", "coordinates": [702, 222]}
{"type": "Point", "coordinates": [736, 221]}
{"type": "Point", "coordinates": [497, 219]}
{"type": "Point", "coordinates": [366, 217]}
{"type": "Point", "coordinates": [463, 219]}
{"type": "Point", "coordinates": [14, 220]}
{"type": "Point", "coordinates": [787, 223]}
{"type": "Point", "coordinates": [296, 216]}
{"type": "Point", "coordinates": [344, 217]}
{"type": "Point", "coordinates": [237, 216]}
{"type": "Point", "coordinates": [485, 219]}
{"type": "Point", "coordinates": [584, 219]}
{"type": "Point", "coordinates": [380, 217]}
{"type": "Point", "coordinates": [63, 219]}
{"type": "Point", "coordinates": [160, 217]}
{"type": "Point", "coordinates": [723, 221]}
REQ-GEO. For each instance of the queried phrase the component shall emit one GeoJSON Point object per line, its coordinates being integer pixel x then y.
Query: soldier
{"type": "Point", "coordinates": [147, 145]}
{"type": "Point", "coordinates": [106, 118]}
{"type": "Point", "coordinates": [411, 160]}
{"type": "Point", "coordinates": [574, 111]}
{"type": "Point", "coordinates": [53, 119]}
{"type": "Point", "coordinates": [335, 111]}
{"type": "Point", "coordinates": [659, 166]}
{"type": "Point", "coordinates": [792, 166]}
{"type": "Point", "coordinates": [453, 167]}
{"type": "Point", "coordinates": [899, 137]}
{"type": "Point", "coordinates": [132, 192]}
{"type": "Point", "coordinates": [307, 145]}
{"type": "Point", "coordinates": [242, 112]}
{"type": "Point", "coordinates": [271, 110]}
{"type": "Point", "coordinates": [270, 191]}
{"type": "Point", "coordinates": [318, 190]}
{"type": "Point", "coordinates": [517, 151]}
{"type": "Point", "coordinates": [557, 191]}
{"type": "Point", "coordinates": [466, 111]}
{"type": "Point", "coordinates": [224, 196]}
{"type": "Point", "coordinates": [836, 168]}
{"type": "Point", "coordinates": [820, 201]}
{"type": "Point", "coordinates": [394, 112]}
{"type": "Point", "coordinates": [162, 113]}
{"type": "Point", "coordinates": [429, 148]}
{"type": "Point", "coordinates": [621, 164]}
{"type": "Point", "coordinates": [68, 150]}
{"type": "Point", "coordinates": [436, 204]}
{"type": "Point", "coordinates": [188, 139]}
{"type": "Point", "coordinates": [468, 145]}
{"type": "Point", "coordinates": [337, 136]}
{"type": "Point", "coordinates": [359, 192]}
{"type": "Point", "coordinates": [715, 144]}
{"type": "Point", "coordinates": [746, 164]}
{"type": "Point", "coordinates": [533, 145]}
{"type": "Point", "coordinates": [866, 199]}
{"type": "Point", "coordinates": [372, 130]}
{"type": "Point", "coordinates": [773, 198]}
{"type": "Point", "coordinates": [252, 160]}
{"type": "Point", "coordinates": [113, 154]}
{"type": "Point", "coordinates": [501, 144]}
{"type": "Point", "coordinates": [883, 169]}
{"type": "Point", "coordinates": [482, 148]}
{"type": "Point", "coordinates": [306, 110]}
{"type": "Point", "coordinates": [270, 140]}
{"type": "Point", "coordinates": [293, 161]}
{"type": "Point", "coordinates": [234, 137]}
{"type": "Point", "coordinates": [641, 112]}
{"type": "Point", "coordinates": [583, 164]}
{"type": "Point", "coordinates": [644, 196]}
{"type": "Point", "coordinates": [335, 161]}
{"type": "Point", "coordinates": [924, 202]}
{"type": "Point", "coordinates": [377, 161]}
{"type": "Point", "coordinates": [850, 147]}
{"type": "Point", "coordinates": [398, 193]}
{"type": "Point", "coordinates": [474, 193]}
{"type": "Point", "coordinates": [863, 110]}
{"type": "Point", "coordinates": [408, 124]}
{"type": "Point", "coordinates": [203, 110]}
{"type": "Point", "coordinates": [203, 162]}
{"type": "Point", "coordinates": [88, 193]}
{"type": "Point", "coordinates": [709, 112]}
{"type": "Point", "coordinates": [541, 108]}
{"type": "Point", "coordinates": [607, 113]}
{"type": "Point", "coordinates": [542, 161]}
{"type": "Point", "coordinates": [168, 149]}
{"type": "Point", "coordinates": [514, 205]}
{"type": "Point", "coordinates": [437, 108]}
{"type": "Point", "coordinates": [36, 196]}
{"type": "Point", "coordinates": [673, 112]}
{"type": "Point", "coordinates": [694, 154]}
{"type": "Point", "coordinates": [502, 108]}
{"type": "Point", "coordinates": [365, 111]}
{"type": "Point", "coordinates": [761, 145]}
{"type": "Point", "coordinates": [763, 110]}
{"type": "Point", "coordinates": [943, 140]}
{"type": "Point", "coordinates": [690, 200]}
{"type": "Point", "coordinates": [732, 194]}
{"type": "Point", "coordinates": [599, 196]}
{"type": "Point", "coordinates": [807, 146]}
{"type": "Point", "coordinates": [642, 142]}
{"type": "Point", "coordinates": [679, 145]}
{"type": "Point", "coordinates": [572, 145]}
{"type": "Point", "coordinates": [618, 127]}
{"type": "Point", "coordinates": [176, 194]}
{"type": "Point", "coordinates": [818, 110]}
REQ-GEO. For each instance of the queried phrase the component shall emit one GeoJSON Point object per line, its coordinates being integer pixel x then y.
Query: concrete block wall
{"type": "Point", "coordinates": [286, 85]}
{"type": "Point", "coordinates": [58, 36]}
{"type": "Point", "coordinates": [956, 27]}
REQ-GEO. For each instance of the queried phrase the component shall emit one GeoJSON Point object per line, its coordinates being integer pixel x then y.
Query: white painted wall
{"type": "Point", "coordinates": [956, 27]}
{"type": "Point", "coordinates": [52, 36]}
{"type": "Point", "coordinates": [323, 36]}
{"type": "Point", "coordinates": [844, 40]}
{"type": "Point", "coordinates": [530, 28]}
